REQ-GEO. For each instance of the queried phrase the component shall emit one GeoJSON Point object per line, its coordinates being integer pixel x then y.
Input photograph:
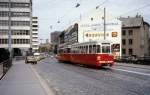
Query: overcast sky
{"type": "Point", "coordinates": [52, 11]}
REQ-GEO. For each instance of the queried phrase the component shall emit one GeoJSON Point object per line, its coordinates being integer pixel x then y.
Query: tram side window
{"type": "Point", "coordinates": [81, 49]}
{"type": "Point", "coordinates": [68, 50]}
{"type": "Point", "coordinates": [105, 49]}
{"type": "Point", "coordinates": [60, 51]}
{"type": "Point", "coordinates": [98, 49]}
{"type": "Point", "coordinates": [90, 48]}
{"type": "Point", "coordinates": [94, 48]}
{"type": "Point", "coordinates": [86, 48]}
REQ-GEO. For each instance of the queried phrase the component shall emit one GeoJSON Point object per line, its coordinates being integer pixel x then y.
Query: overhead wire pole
{"type": "Point", "coordinates": [104, 23]}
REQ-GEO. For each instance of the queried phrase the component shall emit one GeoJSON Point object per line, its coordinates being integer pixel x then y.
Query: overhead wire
{"type": "Point", "coordinates": [133, 10]}
{"type": "Point", "coordinates": [69, 11]}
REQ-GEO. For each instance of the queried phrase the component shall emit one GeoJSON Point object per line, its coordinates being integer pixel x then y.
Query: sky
{"type": "Point", "coordinates": [50, 12]}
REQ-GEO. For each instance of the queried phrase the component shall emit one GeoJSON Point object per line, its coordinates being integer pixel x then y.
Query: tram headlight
{"type": "Point", "coordinates": [98, 58]}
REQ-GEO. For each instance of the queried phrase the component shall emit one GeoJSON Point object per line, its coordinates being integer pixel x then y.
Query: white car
{"type": "Point", "coordinates": [30, 59]}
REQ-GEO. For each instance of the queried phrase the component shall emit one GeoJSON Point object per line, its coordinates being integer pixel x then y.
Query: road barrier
{"type": "Point", "coordinates": [4, 67]}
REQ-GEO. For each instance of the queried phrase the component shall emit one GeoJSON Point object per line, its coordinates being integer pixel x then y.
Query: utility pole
{"type": "Point", "coordinates": [104, 23]}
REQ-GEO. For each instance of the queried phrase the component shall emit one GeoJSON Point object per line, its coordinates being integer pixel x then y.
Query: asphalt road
{"type": "Point", "coordinates": [71, 79]}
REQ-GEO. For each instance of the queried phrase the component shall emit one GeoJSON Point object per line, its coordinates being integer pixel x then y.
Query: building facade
{"type": "Point", "coordinates": [135, 36]}
{"type": "Point", "coordinates": [15, 24]}
{"type": "Point", "coordinates": [54, 36]}
{"type": "Point", "coordinates": [35, 27]}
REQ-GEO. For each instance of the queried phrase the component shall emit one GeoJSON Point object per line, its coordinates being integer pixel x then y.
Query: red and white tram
{"type": "Point", "coordinates": [88, 53]}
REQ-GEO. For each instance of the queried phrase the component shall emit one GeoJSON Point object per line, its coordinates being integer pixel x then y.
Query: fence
{"type": "Point", "coordinates": [4, 67]}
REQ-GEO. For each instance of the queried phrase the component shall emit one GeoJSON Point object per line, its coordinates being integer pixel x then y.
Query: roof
{"type": "Point", "coordinates": [131, 21]}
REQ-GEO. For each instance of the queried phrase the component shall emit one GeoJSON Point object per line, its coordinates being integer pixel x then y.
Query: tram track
{"type": "Point", "coordinates": [108, 77]}
{"type": "Point", "coordinates": [96, 75]}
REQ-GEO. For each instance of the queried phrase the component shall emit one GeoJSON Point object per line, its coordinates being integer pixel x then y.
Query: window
{"type": "Point", "coordinates": [34, 25]}
{"type": "Point", "coordinates": [130, 32]}
{"type": "Point", "coordinates": [94, 48]}
{"type": "Point", "coordinates": [3, 41]}
{"type": "Point", "coordinates": [123, 32]}
{"type": "Point", "coordinates": [35, 21]}
{"type": "Point", "coordinates": [21, 41]}
{"type": "Point", "coordinates": [20, 14]}
{"type": "Point", "coordinates": [20, 23]}
{"type": "Point", "coordinates": [98, 49]}
{"type": "Point", "coordinates": [124, 51]}
{"type": "Point", "coordinates": [90, 49]}
{"type": "Point", "coordinates": [4, 14]}
{"type": "Point", "coordinates": [34, 29]}
{"type": "Point", "coordinates": [20, 5]}
{"type": "Point", "coordinates": [130, 51]}
{"type": "Point", "coordinates": [4, 32]}
{"type": "Point", "coordinates": [123, 42]}
{"type": "Point", "coordinates": [86, 48]}
{"type": "Point", "coordinates": [4, 22]}
{"type": "Point", "coordinates": [4, 4]}
{"type": "Point", "coordinates": [130, 41]}
{"type": "Point", "coordinates": [20, 32]}
{"type": "Point", "coordinates": [105, 49]}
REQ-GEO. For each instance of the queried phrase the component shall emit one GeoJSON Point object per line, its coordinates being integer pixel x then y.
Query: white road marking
{"type": "Point", "coordinates": [139, 73]}
{"type": "Point", "coordinates": [43, 83]}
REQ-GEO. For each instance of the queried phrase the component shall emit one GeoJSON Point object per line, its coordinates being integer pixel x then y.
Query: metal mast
{"type": "Point", "coordinates": [104, 23]}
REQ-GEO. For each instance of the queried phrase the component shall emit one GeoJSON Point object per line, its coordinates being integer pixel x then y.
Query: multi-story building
{"type": "Point", "coordinates": [15, 24]}
{"type": "Point", "coordinates": [35, 42]}
{"type": "Point", "coordinates": [55, 40]}
{"type": "Point", "coordinates": [135, 36]}
{"type": "Point", "coordinates": [54, 37]}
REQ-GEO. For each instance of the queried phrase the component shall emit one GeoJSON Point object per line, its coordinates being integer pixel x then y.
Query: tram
{"type": "Point", "coordinates": [88, 53]}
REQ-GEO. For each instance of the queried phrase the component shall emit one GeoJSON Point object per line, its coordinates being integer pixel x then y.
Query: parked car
{"type": "Point", "coordinates": [31, 59]}
{"type": "Point", "coordinates": [37, 56]}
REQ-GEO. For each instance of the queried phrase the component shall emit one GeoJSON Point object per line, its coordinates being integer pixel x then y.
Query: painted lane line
{"type": "Point", "coordinates": [139, 73]}
{"type": "Point", "coordinates": [42, 82]}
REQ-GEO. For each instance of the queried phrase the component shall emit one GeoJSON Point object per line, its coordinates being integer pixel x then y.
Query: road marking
{"type": "Point", "coordinates": [43, 83]}
{"type": "Point", "coordinates": [139, 73]}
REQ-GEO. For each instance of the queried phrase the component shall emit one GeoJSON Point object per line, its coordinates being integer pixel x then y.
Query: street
{"type": "Point", "coordinates": [71, 79]}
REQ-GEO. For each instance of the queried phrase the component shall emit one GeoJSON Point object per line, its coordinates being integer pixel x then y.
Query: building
{"type": "Point", "coordinates": [15, 23]}
{"type": "Point", "coordinates": [55, 40]}
{"type": "Point", "coordinates": [135, 36]}
{"type": "Point", "coordinates": [54, 37]}
{"type": "Point", "coordinates": [35, 27]}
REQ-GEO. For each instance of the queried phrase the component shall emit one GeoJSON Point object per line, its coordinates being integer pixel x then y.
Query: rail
{"type": "Point", "coordinates": [4, 67]}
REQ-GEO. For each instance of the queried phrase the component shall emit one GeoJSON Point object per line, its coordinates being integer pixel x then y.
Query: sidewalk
{"type": "Point", "coordinates": [22, 79]}
{"type": "Point", "coordinates": [133, 65]}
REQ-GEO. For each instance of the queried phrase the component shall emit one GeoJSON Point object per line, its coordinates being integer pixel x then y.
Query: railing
{"type": "Point", "coordinates": [4, 67]}
{"type": "Point", "coordinates": [19, 57]}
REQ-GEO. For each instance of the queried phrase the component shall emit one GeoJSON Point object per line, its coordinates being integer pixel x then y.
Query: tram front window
{"type": "Point", "coordinates": [105, 49]}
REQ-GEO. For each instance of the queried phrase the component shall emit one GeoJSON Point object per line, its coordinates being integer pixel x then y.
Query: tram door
{"type": "Point", "coordinates": [106, 48]}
